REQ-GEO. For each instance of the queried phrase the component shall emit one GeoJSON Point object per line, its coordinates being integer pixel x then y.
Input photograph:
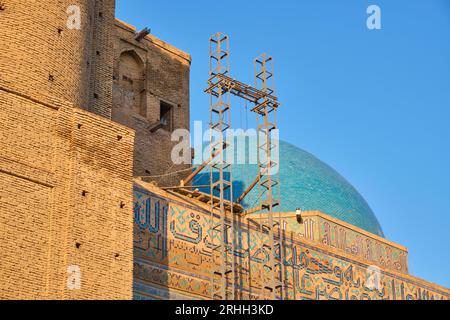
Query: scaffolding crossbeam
{"type": "Point", "coordinates": [240, 89]}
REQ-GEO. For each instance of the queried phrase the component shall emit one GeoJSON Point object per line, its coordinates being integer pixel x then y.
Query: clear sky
{"type": "Point", "coordinates": [373, 104]}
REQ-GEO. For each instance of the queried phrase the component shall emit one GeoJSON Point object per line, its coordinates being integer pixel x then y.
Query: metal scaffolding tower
{"type": "Point", "coordinates": [269, 182]}
{"type": "Point", "coordinates": [222, 228]}
{"type": "Point", "coordinates": [220, 88]}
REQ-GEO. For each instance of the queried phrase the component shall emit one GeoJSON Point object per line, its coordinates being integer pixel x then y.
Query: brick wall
{"type": "Point", "coordinates": [65, 173]}
{"type": "Point", "coordinates": [41, 57]}
{"type": "Point", "coordinates": [101, 58]}
{"type": "Point", "coordinates": [65, 199]}
{"type": "Point", "coordinates": [166, 78]}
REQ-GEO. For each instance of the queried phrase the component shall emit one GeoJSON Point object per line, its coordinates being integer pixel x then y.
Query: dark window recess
{"type": "Point", "coordinates": [165, 115]}
{"type": "Point", "coordinates": [126, 79]}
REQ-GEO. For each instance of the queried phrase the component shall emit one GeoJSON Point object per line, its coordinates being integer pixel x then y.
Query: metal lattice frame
{"type": "Point", "coordinates": [222, 227]}
{"type": "Point", "coordinates": [269, 183]}
{"type": "Point", "coordinates": [221, 87]}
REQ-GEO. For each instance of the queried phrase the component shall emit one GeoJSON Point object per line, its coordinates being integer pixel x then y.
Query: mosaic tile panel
{"type": "Point", "coordinates": [173, 251]}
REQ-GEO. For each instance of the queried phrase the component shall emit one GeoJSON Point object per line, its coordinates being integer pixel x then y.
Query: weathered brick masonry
{"type": "Point", "coordinates": [65, 173]}
{"type": "Point", "coordinates": [148, 73]}
{"type": "Point", "coordinates": [65, 199]}
{"type": "Point", "coordinates": [42, 58]}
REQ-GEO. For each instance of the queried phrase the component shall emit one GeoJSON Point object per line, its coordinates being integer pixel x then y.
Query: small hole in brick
{"type": "Point", "coordinates": [117, 255]}
{"type": "Point", "coordinates": [122, 205]}
{"type": "Point", "coordinates": [119, 138]}
{"type": "Point", "coordinates": [95, 96]}
{"type": "Point", "coordinates": [2, 6]}
{"type": "Point", "coordinates": [78, 245]}
{"type": "Point", "coordinates": [84, 193]}
{"type": "Point", "coordinates": [98, 53]}
{"type": "Point", "coordinates": [100, 14]}
{"type": "Point", "coordinates": [79, 126]}
{"type": "Point", "coordinates": [60, 31]}
{"type": "Point", "coordinates": [51, 78]}
{"type": "Point", "coordinates": [87, 62]}
{"type": "Point", "coordinates": [147, 172]}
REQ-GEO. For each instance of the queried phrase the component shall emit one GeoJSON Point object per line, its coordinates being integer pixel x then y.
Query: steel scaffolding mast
{"type": "Point", "coordinates": [222, 227]}
{"type": "Point", "coordinates": [269, 182]}
{"type": "Point", "coordinates": [220, 87]}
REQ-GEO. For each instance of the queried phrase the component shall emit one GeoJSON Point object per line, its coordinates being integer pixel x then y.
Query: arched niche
{"type": "Point", "coordinates": [132, 79]}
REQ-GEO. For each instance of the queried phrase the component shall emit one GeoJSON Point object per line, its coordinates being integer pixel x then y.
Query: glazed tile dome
{"type": "Point", "coordinates": [309, 184]}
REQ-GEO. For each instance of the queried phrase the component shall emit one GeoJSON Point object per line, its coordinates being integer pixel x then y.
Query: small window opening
{"type": "Point", "coordinates": [166, 115]}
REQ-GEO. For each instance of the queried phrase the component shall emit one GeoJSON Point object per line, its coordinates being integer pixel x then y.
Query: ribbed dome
{"type": "Point", "coordinates": [309, 184]}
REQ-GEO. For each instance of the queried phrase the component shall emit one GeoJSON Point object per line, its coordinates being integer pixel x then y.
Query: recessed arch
{"type": "Point", "coordinates": [132, 80]}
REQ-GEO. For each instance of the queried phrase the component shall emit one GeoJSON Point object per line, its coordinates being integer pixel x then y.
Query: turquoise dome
{"type": "Point", "coordinates": [309, 184]}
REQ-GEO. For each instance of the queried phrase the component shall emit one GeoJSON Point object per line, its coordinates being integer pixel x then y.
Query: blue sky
{"type": "Point", "coordinates": [375, 105]}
